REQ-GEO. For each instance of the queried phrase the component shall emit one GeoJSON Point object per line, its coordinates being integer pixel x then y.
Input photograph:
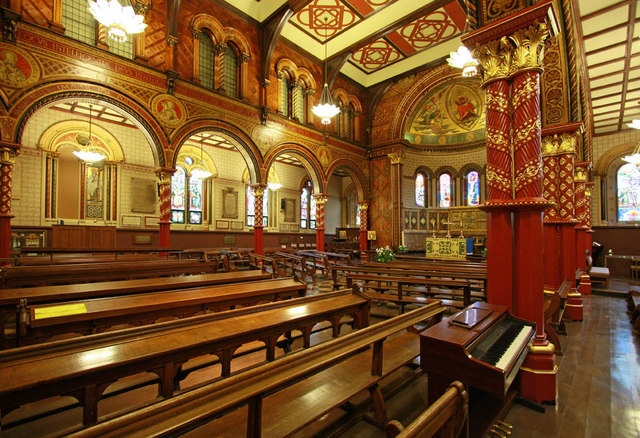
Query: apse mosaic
{"type": "Point", "coordinates": [450, 114]}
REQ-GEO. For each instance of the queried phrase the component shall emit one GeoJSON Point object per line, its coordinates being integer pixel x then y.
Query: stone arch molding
{"type": "Point", "coordinates": [308, 160]}
{"type": "Point", "coordinates": [354, 171]}
{"type": "Point", "coordinates": [68, 133]}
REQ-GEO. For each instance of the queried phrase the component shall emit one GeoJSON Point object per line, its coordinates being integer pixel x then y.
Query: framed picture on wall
{"type": "Point", "coordinates": [371, 235]}
{"type": "Point", "coordinates": [230, 203]}
{"type": "Point", "coordinates": [289, 210]}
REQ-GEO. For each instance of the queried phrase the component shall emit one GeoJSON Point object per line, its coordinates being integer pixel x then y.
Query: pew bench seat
{"type": "Point", "coordinates": [633, 306]}
{"type": "Point", "coordinates": [601, 275]}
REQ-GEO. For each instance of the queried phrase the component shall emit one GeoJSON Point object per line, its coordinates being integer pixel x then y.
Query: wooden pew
{"type": "Point", "coordinates": [337, 257]}
{"type": "Point", "coordinates": [296, 263]}
{"type": "Point", "coordinates": [317, 260]}
{"type": "Point", "coordinates": [376, 282]}
{"type": "Point", "coordinates": [38, 323]}
{"type": "Point", "coordinates": [257, 261]}
{"type": "Point", "coordinates": [21, 276]}
{"type": "Point", "coordinates": [10, 299]}
{"type": "Point", "coordinates": [67, 259]}
{"type": "Point", "coordinates": [447, 415]}
{"type": "Point", "coordinates": [84, 367]}
{"type": "Point", "coordinates": [554, 305]}
{"type": "Point", "coordinates": [278, 395]}
{"type": "Point", "coordinates": [633, 306]}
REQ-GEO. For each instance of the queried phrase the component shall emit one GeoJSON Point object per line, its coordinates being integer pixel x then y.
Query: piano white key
{"type": "Point", "coordinates": [514, 347]}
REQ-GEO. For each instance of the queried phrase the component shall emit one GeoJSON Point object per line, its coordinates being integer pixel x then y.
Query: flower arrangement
{"type": "Point", "coordinates": [402, 249]}
{"type": "Point", "coordinates": [384, 254]}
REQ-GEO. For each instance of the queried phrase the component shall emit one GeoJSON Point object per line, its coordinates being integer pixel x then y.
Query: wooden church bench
{"type": "Point", "coordinates": [84, 367]}
{"type": "Point", "coordinates": [296, 263]}
{"type": "Point", "coordinates": [600, 275]}
{"type": "Point", "coordinates": [11, 298]}
{"type": "Point", "coordinates": [337, 257]}
{"type": "Point", "coordinates": [316, 260]}
{"type": "Point", "coordinates": [41, 322]}
{"type": "Point", "coordinates": [257, 261]}
{"type": "Point", "coordinates": [21, 276]}
{"type": "Point", "coordinates": [447, 415]}
{"type": "Point", "coordinates": [276, 399]}
{"type": "Point", "coordinates": [554, 306]}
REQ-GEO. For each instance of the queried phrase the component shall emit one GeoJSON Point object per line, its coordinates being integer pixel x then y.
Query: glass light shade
{"type": "Point", "coordinates": [635, 157]}
{"type": "Point", "coordinates": [201, 174]}
{"type": "Point", "coordinates": [325, 109]}
{"type": "Point", "coordinates": [635, 124]}
{"type": "Point", "coordinates": [464, 60]}
{"type": "Point", "coordinates": [88, 156]}
{"type": "Point", "coordinates": [274, 186]}
{"type": "Point", "coordinates": [119, 20]}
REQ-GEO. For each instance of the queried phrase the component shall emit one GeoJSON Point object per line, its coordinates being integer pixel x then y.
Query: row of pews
{"type": "Point", "coordinates": [70, 347]}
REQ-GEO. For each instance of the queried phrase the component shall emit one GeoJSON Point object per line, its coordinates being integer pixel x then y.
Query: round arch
{"type": "Point", "coordinates": [604, 162]}
{"type": "Point", "coordinates": [353, 170]}
{"type": "Point", "coordinates": [32, 101]}
{"type": "Point", "coordinates": [469, 167]}
{"type": "Point", "coordinates": [308, 160]}
{"type": "Point", "coordinates": [236, 136]}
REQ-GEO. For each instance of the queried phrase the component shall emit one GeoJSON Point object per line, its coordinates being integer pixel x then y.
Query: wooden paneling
{"type": "Point", "coordinates": [83, 237]}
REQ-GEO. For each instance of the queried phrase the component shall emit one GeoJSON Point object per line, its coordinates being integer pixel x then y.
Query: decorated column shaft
{"type": "Point", "coordinates": [551, 227]}
{"type": "Point", "coordinates": [164, 185]}
{"type": "Point", "coordinates": [583, 229]}
{"type": "Point", "coordinates": [258, 227]}
{"type": "Point", "coordinates": [511, 50]}
{"type": "Point", "coordinates": [396, 196]}
{"type": "Point", "coordinates": [364, 218]}
{"type": "Point", "coordinates": [321, 199]}
{"type": "Point", "coordinates": [8, 152]}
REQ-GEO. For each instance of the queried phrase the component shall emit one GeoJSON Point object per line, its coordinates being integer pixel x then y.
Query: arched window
{"type": "Point", "coordinates": [445, 190]}
{"type": "Point", "coordinates": [285, 100]}
{"type": "Point", "coordinates": [307, 207]}
{"type": "Point", "coordinates": [206, 60]}
{"type": "Point", "coordinates": [231, 71]}
{"type": "Point", "coordinates": [78, 22]}
{"type": "Point", "coordinates": [628, 182]}
{"type": "Point", "coordinates": [472, 188]}
{"type": "Point", "coordinates": [186, 199]}
{"type": "Point", "coordinates": [251, 212]}
{"type": "Point", "coordinates": [420, 192]}
{"type": "Point", "coordinates": [352, 208]}
{"type": "Point", "coordinates": [300, 103]}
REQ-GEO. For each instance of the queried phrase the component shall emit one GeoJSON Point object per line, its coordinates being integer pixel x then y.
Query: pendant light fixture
{"type": "Point", "coordinates": [634, 158]}
{"type": "Point", "coordinates": [326, 108]}
{"type": "Point", "coordinates": [462, 58]}
{"type": "Point", "coordinates": [119, 19]}
{"type": "Point", "coordinates": [86, 154]}
{"type": "Point", "coordinates": [200, 173]}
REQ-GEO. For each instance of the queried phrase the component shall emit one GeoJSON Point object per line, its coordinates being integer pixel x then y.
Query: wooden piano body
{"type": "Point", "coordinates": [454, 351]}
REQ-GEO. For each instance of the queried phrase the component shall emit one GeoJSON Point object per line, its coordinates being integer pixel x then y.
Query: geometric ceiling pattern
{"type": "Point", "coordinates": [611, 38]}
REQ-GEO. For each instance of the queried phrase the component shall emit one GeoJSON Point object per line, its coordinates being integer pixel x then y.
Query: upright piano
{"type": "Point", "coordinates": [483, 346]}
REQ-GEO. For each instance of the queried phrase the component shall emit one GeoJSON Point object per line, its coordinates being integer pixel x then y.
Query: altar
{"type": "Point", "coordinates": [446, 248]}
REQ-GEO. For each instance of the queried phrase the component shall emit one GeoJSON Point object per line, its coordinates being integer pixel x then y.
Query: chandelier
{"type": "Point", "coordinates": [200, 173]}
{"type": "Point", "coordinates": [85, 154]}
{"type": "Point", "coordinates": [462, 58]}
{"type": "Point", "coordinates": [325, 109]}
{"type": "Point", "coordinates": [118, 19]}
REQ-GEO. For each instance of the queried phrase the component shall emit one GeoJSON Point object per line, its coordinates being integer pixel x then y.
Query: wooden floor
{"type": "Point", "coordinates": [598, 386]}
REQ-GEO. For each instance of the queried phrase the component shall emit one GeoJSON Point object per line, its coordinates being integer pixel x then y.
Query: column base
{"type": "Point", "coordinates": [585, 284]}
{"type": "Point", "coordinates": [258, 239]}
{"type": "Point", "coordinates": [574, 306]}
{"type": "Point", "coordinates": [538, 373]}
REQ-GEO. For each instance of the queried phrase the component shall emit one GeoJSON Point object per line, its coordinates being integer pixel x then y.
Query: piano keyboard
{"type": "Point", "coordinates": [500, 346]}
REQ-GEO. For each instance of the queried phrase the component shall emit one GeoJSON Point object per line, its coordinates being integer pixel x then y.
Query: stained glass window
{"type": "Point", "coordinates": [195, 200]}
{"type": "Point", "coordinates": [444, 192]}
{"type": "Point", "coordinates": [358, 215]}
{"type": "Point", "coordinates": [307, 207]}
{"type": "Point", "coordinates": [178, 194]}
{"type": "Point", "coordinates": [473, 188]}
{"type": "Point", "coordinates": [628, 179]}
{"type": "Point", "coordinates": [284, 95]}
{"type": "Point", "coordinates": [78, 22]}
{"type": "Point", "coordinates": [206, 60]}
{"type": "Point", "coordinates": [300, 99]}
{"type": "Point", "coordinates": [420, 190]}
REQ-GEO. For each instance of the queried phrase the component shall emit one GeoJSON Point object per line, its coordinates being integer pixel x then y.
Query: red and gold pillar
{"type": "Point", "coordinates": [583, 215]}
{"type": "Point", "coordinates": [164, 182]}
{"type": "Point", "coordinates": [396, 158]}
{"type": "Point", "coordinates": [551, 215]}
{"type": "Point", "coordinates": [8, 152]}
{"type": "Point", "coordinates": [321, 200]}
{"type": "Point", "coordinates": [364, 219]}
{"type": "Point", "coordinates": [258, 227]}
{"type": "Point", "coordinates": [510, 53]}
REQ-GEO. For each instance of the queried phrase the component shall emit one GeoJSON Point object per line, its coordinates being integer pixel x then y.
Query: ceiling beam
{"type": "Point", "coordinates": [627, 62]}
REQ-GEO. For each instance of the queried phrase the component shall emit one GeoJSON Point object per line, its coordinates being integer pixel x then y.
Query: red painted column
{"type": "Point", "coordinates": [583, 214]}
{"type": "Point", "coordinates": [396, 158]}
{"type": "Point", "coordinates": [499, 194]}
{"type": "Point", "coordinates": [364, 219]}
{"type": "Point", "coordinates": [8, 152]}
{"type": "Point", "coordinates": [164, 177]}
{"type": "Point", "coordinates": [551, 231]}
{"type": "Point", "coordinates": [258, 227]}
{"type": "Point", "coordinates": [551, 256]}
{"type": "Point", "coordinates": [321, 199]}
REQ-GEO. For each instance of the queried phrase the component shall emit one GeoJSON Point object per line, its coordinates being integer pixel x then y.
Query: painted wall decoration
{"type": "Point", "coordinates": [169, 111]}
{"type": "Point", "coordinates": [17, 68]}
{"type": "Point", "coordinates": [452, 113]}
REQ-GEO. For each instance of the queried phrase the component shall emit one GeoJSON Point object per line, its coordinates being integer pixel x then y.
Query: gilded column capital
{"type": "Point", "coordinates": [321, 198]}
{"type": "Point", "coordinates": [528, 50]}
{"type": "Point", "coordinates": [558, 144]}
{"type": "Point", "coordinates": [494, 58]}
{"type": "Point", "coordinates": [8, 152]}
{"type": "Point", "coordinates": [164, 174]}
{"type": "Point", "coordinates": [258, 189]}
{"type": "Point", "coordinates": [396, 157]}
{"type": "Point", "coordinates": [172, 40]}
{"type": "Point", "coordinates": [364, 205]}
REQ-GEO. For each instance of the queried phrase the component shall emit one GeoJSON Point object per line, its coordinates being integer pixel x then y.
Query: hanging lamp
{"type": "Point", "coordinates": [462, 58]}
{"type": "Point", "coordinates": [199, 173]}
{"type": "Point", "coordinates": [119, 19]}
{"type": "Point", "coordinates": [85, 154]}
{"type": "Point", "coordinates": [326, 108]}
